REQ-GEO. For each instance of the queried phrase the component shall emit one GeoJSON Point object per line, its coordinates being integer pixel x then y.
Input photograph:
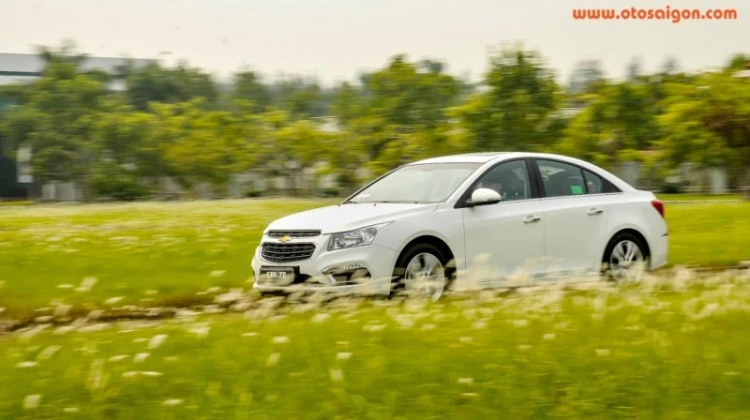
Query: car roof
{"type": "Point", "coordinates": [484, 157]}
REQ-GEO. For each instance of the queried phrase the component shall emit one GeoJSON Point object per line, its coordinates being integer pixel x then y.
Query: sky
{"type": "Point", "coordinates": [335, 40]}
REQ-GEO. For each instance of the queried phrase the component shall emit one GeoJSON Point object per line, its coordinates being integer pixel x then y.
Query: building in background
{"type": "Point", "coordinates": [15, 177]}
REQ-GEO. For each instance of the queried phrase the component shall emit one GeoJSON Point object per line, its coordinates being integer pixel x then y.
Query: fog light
{"type": "Point", "coordinates": [346, 274]}
{"type": "Point", "coordinates": [342, 268]}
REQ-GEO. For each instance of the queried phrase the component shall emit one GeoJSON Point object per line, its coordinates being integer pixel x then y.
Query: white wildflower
{"type": "Point", "coordinates": [151, 373]}
{"type": "Point", "coordinates": [118, 358]}
{"type": "Point", "coordinates": [524, 347]}
{"type": "Point", "coordinates": [465, 381]}
{"type": "Point", "coordinates": [602, 352]}
{"type": "Point", "coordinates": [320, 317]}
{"type": "Point", "coordinates": [129, 374]}
{"type": "Point", "coordinates": [337, 375]}
{"type": "Point", "coordinates": [31, 401]}
{"type": "Point", "coordinates": [480, 325]}
{"type": "Point", "coordinates": [70, 410]}
{"type": "Point", "coordinates": [548, 337]}
{"type": "Point", "coordinates": [48, 352]}
{"type": "Point", "coordinates": [172, 402]}
{"type": "Point", "coordinates": [157, 341]}
{"type": "Point", "coordinates": [281, 339]}
{"type": "Point", "coordinates": [64, 286]}
{"type": "Point", "coordinates": [201, 331]}
{"type": "Point", "coordinates": [217, 273]}
{"type": "Point", "coordinates": [250, 334]}
{"type": "Point", "coordinates": [141, 357]}
{"type": "Point", "coordinates": [113, 300]}
{"type": "Point", "coordinates": [520, 322]}
{"type": "Point", "coordinates": [86, 284]}
{"type": "Point", "coordinates": [273, 359]}
{"type": "Point", "coordinates": [343, 355]}
{"type": "Point", "coordinates": [96, 376]}
{"type": "Point", "coordinates": [26, 364]}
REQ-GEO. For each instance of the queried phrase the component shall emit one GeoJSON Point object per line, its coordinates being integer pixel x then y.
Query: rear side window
{"type": "Point", "coordinates": [598, 185]}
{"type": "Point", "coordinates": [561, 179]}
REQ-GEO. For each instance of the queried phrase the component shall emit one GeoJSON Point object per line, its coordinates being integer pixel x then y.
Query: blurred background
{"type": "Point", "coordinates": [76, 125]}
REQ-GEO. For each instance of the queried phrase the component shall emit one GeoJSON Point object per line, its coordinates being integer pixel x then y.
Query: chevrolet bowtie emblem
{"type": "Point", "coordinates": [286, 238]}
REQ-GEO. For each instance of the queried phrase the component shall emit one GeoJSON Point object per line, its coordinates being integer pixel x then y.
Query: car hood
{"type": "Point", "coordinates": [346, 217]}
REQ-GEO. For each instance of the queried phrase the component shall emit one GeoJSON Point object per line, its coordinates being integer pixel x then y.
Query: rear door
{"type": "Point", "coordinates": [576, 215]}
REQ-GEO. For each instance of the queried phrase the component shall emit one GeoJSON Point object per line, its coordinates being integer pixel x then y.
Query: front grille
{"type": "Point", "coordinates": [282, 253]}
{"type": "Point", "coordinates": [294, 233]}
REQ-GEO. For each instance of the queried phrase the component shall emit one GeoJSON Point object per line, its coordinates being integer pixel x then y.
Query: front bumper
{"type": "Point", "coordinates": [376, 259]}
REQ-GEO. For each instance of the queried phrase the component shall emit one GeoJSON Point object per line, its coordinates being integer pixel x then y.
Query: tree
{"type": "Point", "coordinates": [56, 115]}
{"type": "Point", "coordinates": [707, 122]}
{"type": "Point", "coordinates": [205, 146]}
{"type": "Point", "coordinates": [516, 110]}
{"type": "Point", "coordinates": [586, 76]}
{"type": "Point", "coordinates": [154, 83]}
{"type": "Point", "coordinates": [249, 85]}
{"type": "Point", "coordinates": [634, 70]}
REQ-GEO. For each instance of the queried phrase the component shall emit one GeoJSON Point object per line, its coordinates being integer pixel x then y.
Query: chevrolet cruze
{"type": "Point", "coordinates": [481, 218]}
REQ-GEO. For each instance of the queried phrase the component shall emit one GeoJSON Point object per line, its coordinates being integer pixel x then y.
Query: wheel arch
{"type": "Point", "coordinates": [634, 232]}
{"type": "Point", "coordinates": [434, 241]}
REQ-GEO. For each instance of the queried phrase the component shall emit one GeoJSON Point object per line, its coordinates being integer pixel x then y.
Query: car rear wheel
{"type": "Point", "coordinates": [625, 259]}
{"type": "Point", "coordinates": [421, 273]}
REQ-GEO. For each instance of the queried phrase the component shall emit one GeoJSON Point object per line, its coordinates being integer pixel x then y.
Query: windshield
{"type": "Point", "coordinates": [422, 183]}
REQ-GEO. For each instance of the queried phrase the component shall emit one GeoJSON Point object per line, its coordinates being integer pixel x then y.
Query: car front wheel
{"type": "Point", "coordinates": [421, 273]}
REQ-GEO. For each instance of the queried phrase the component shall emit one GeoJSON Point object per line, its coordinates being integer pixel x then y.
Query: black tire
{"type": "Point", "coordinates": [397, 283]}
{"type": "Point", "coordinates": [606, 269]}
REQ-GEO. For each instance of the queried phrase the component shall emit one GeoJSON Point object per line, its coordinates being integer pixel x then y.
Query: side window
{"type": "Point", "coordinates": [561, 179]}
{"type": "Point", "coordinates": [510, 180]}
{"type": "Point", "coordinates": [598, 185]}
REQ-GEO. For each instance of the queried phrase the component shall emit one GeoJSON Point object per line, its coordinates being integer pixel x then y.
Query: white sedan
{"type": "Point", "coordinates": [478, 219]}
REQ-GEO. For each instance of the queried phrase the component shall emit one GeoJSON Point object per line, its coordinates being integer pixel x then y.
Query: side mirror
{"type": "Point", "coordinates": [483, 196]}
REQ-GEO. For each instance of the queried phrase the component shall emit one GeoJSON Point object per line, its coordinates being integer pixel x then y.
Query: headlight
{"type": "Point", "coordinates": [354, 238]}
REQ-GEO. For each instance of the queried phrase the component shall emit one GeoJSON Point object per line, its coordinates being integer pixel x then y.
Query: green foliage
{"type": "Point", "coordinates": [153, 83]}
{"type": "Point", "coordinates": [111, 181]}
{"type": "Point", "coordinates": [706, 121]}
{"type": "Point", "coordinates": [177, 122]}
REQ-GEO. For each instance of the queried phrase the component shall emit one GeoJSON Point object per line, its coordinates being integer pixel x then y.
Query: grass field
{"type": "Point", "coordinates": [98, 256]}
{"type": "Point", "coordinates": [670, 350]}
{"type": "Point", "coordinates": [699, 197]}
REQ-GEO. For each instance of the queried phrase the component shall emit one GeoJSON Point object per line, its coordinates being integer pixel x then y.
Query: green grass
{"type": "Point", "coordinates": [146, 253]}
{"type": "Point", "coordinates": [699, 197]}
{"type": "Point", "coordinates": [674, 350]}
{"type": "Point", "coordinates": [180, 253]}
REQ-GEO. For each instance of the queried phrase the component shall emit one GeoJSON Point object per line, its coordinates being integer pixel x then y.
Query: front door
{"type": "Point", "coordinates": [505, 240]}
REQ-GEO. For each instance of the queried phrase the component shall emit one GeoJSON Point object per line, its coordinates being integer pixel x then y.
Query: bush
{"type": "Point", "coordinates": [253, 193]}
{"type": "Point", "coordinates": [111, 181]}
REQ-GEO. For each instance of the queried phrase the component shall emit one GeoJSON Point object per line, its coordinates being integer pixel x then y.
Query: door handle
{"type": "Point", "coordinates": [594, 211]}
{"type": "Point", "coordinates": [531, 219]}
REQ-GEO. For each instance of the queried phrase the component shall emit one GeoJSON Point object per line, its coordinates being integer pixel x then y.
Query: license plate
{"type": "Point", "coordinates": [277, 275]}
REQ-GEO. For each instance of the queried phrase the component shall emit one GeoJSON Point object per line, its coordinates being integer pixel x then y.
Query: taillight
{"type": "Point", "coordinates": [659, 206]}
